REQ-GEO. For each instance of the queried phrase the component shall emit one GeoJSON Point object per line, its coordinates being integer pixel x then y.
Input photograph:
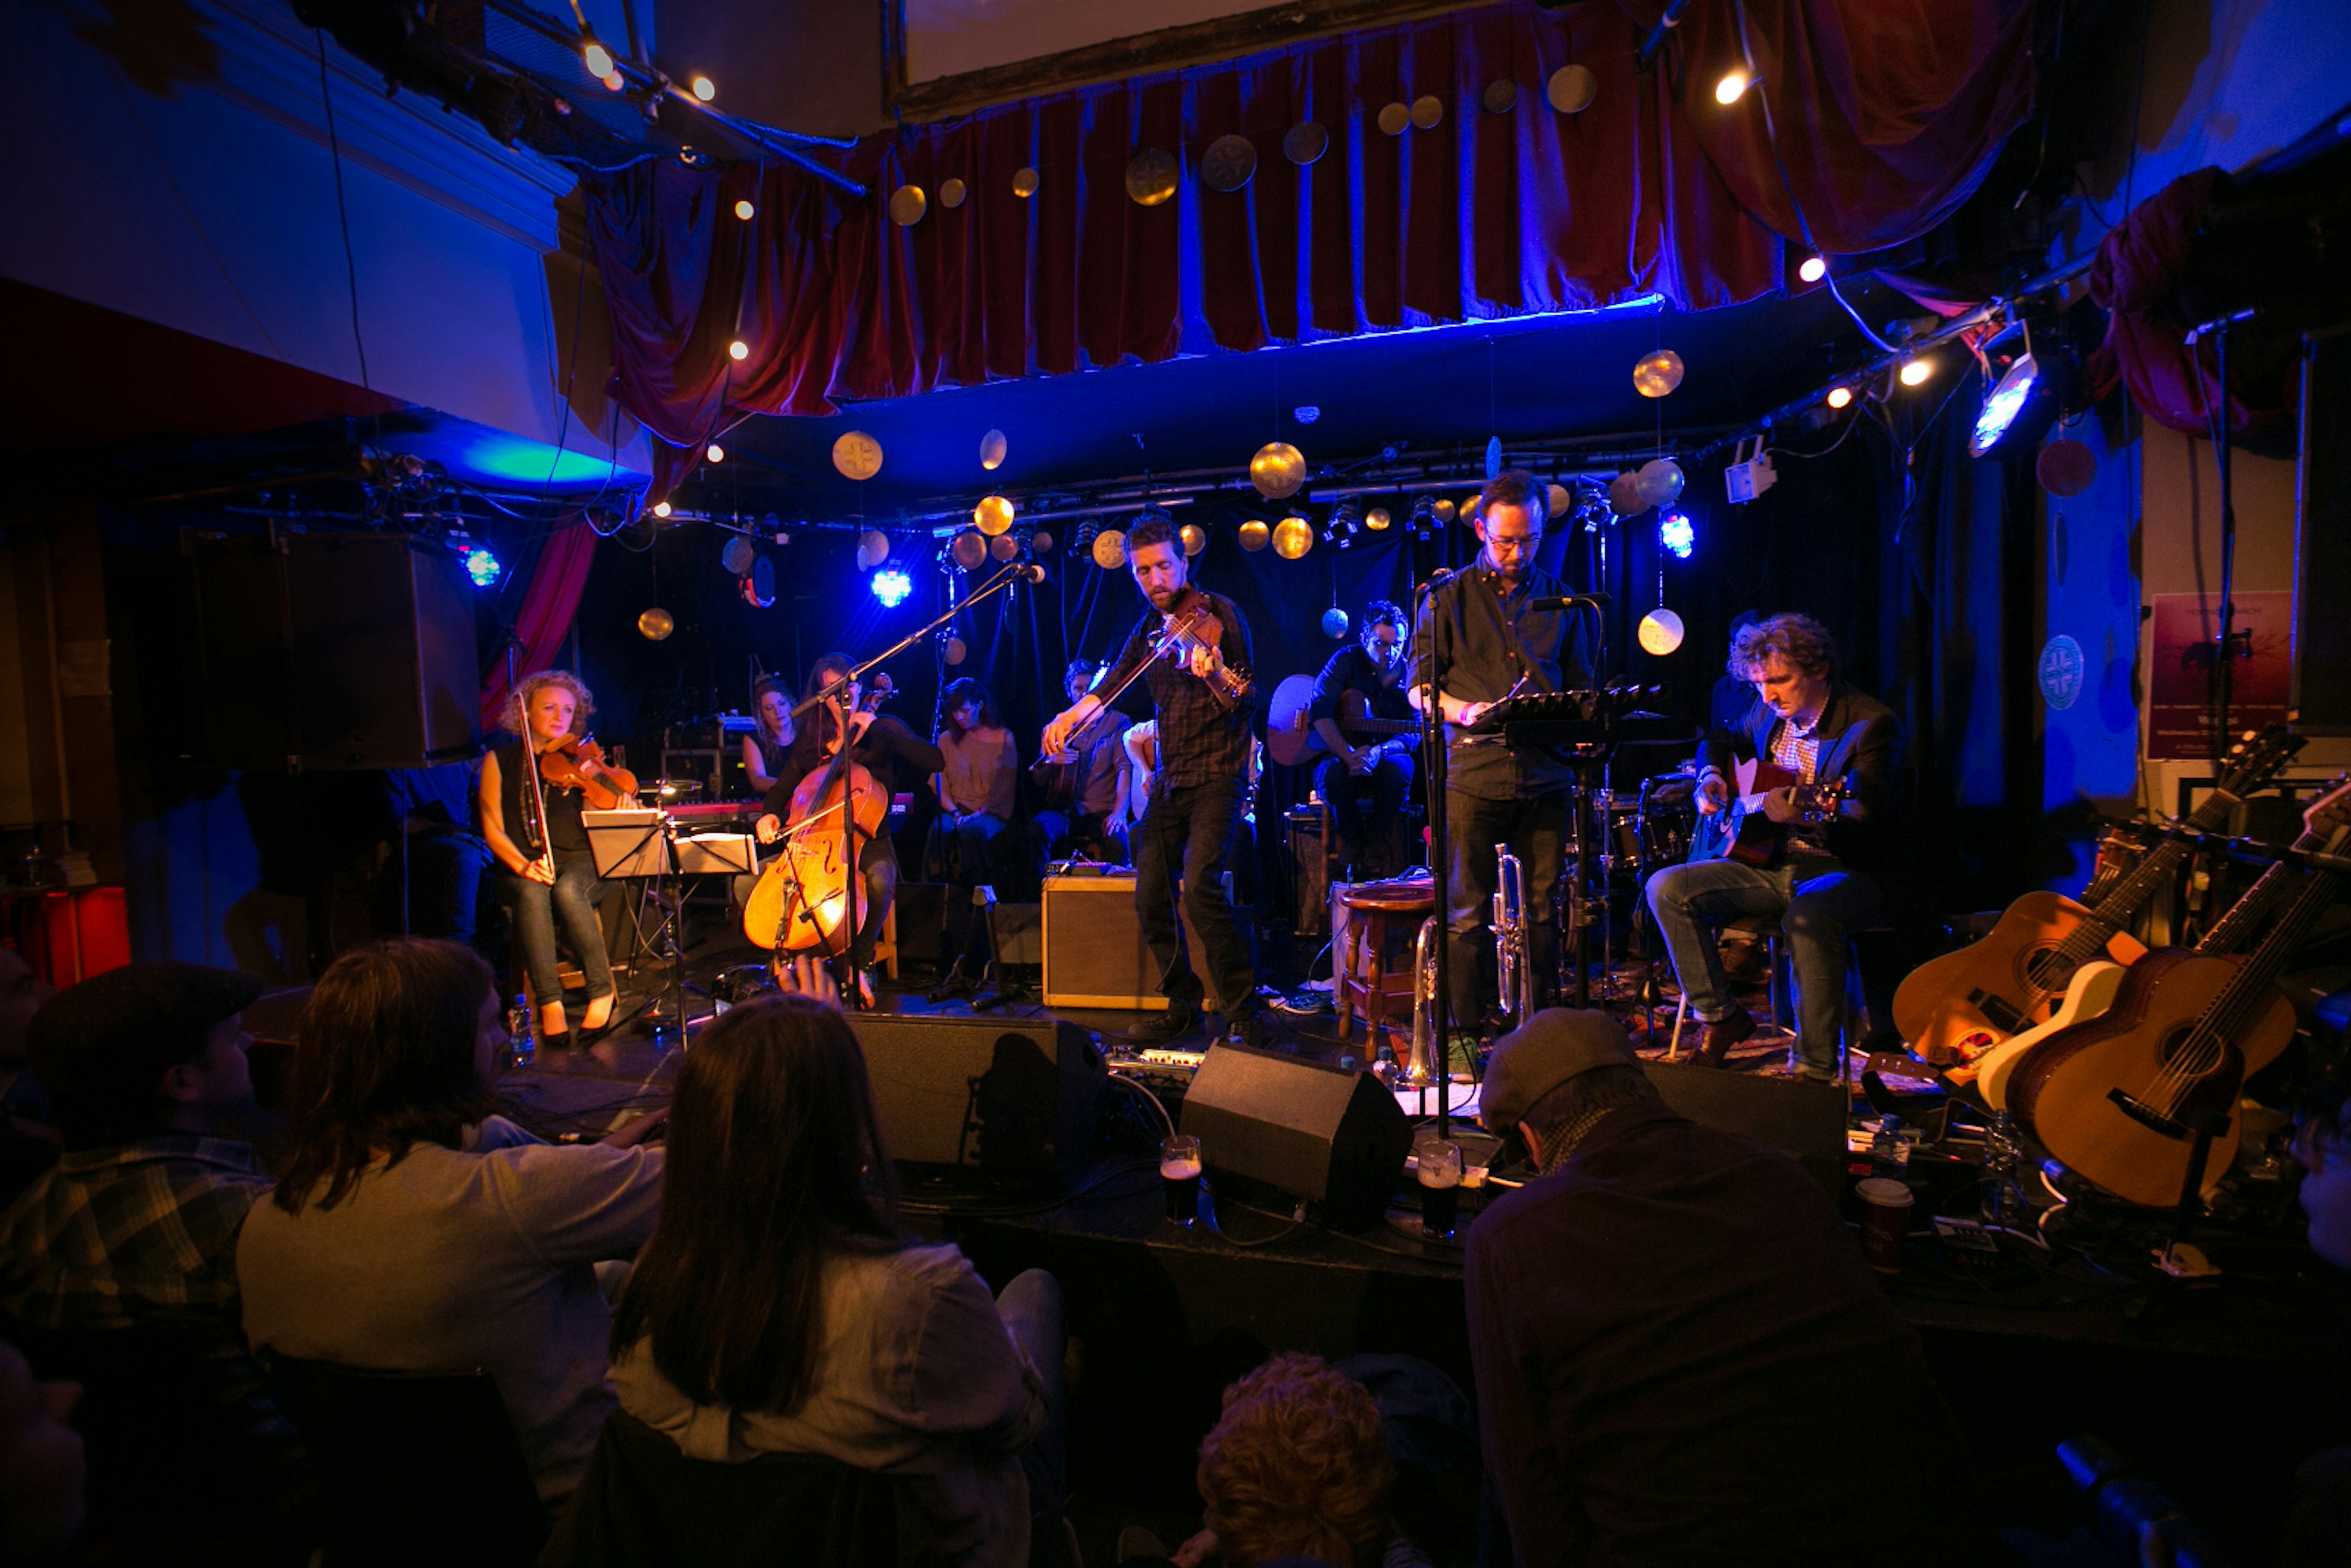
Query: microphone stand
{"type": "Point", "coordinates": [1435, 760]}
{"type": "Point", "coordinates": [2217, 699]}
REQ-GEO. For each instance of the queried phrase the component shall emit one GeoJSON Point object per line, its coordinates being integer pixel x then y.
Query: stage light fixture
{"type": "Point", "coordinates": [1840, 396]}
{"type": "Point", "coordinates": [597, 59]}
{"type": "Point", "coordinates": [1675, 535]}
{"type": "Point", "coordinates": [1814, 270]}
{"type": "Point", "coordinates": [1424, 517]}
{"type": "Point", "coordinates": [704, 89]}
{"type": "Point", "coordinates": [892, 587]}
{"type": "Point", "coordinates": [1917, 373]}
{"type": "Point", "coordinates": [744, 210]}
{"type": "Point", "coordinates": [482, 566]}
{"type": "Point", "coordinates": [2018, 410]}
{"type": "Point", "coordinates": [739, 350]}
{"type": "Point", "coordinates": [1733, 84]}
{"type": "Point", "coordinates": [661, 509]}
{"type": "Point", "coordinates": [715, 452]}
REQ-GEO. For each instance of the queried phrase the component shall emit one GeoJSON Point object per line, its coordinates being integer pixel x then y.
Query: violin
{"type": "Point", "coordinates": [577, 762]}
{"type": "Point", "coordinates": [800, 903]}
{"type": "Point", "coordinates": [1192, 626]}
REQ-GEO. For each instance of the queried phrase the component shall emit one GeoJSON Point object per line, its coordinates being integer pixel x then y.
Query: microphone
{"type": "Point", "coordinates": [1568, 601]}
{"type": "Point", "coordinates": [1439, 578]}
{"type": "Point", "coordinates": [2218, 323]}
{"type": "Point", "coordinates": [1034, 571]}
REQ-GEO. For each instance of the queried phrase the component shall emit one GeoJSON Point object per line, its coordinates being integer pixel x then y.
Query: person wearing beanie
{"type": "Point", "coordinates": [123, 1255]}
{"type": "Point", "coordinates": [1673, 1334]}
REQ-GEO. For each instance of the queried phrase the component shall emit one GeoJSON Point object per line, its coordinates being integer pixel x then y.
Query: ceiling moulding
{"type": "Point", "coordinates": [1198, 43]}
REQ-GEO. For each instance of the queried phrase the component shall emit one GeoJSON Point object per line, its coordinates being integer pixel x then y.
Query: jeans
{"type": "Point", "coordinates": [1052, 833]}
{"type": "Point", "coordinates": [975, 850]}
{"type": "Point", "coordinates": [1817, 901]}
{"type": "Point", "coordinates": [1030, 1306]}
{"type": "Point", "coordinates": [1535, 829]}
{"type": "Point", "coordinates": [1192, 827]}
{"type": "Point", "coordinates": [1390, 780]}
{"type": "Point", "coordinates": [570, 903]}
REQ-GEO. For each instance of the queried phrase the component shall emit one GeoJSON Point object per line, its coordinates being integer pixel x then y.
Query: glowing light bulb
{"type": "Point", "coordinates": [744, 210]}
{"type": "Point", "coordinates": [482, 566]}
{"type": "Point", "coordinates": [614, 82]}
{"type": "Point", "coordinates": [598, 60]}
{"type": "Point", "coordinates": [716, 453]}
{"type": "Point", "coordinates": [661, 509]}
{"type": "Point", "coordinates": [1814, 268]}
{"type": "Point", "coordinates": [704, 89]}
{"type": "Point", "coordinates": [737, 349]}
{"type": "Point", "coordinates": [1732, 84]}
{"type": "Point", "coordinates": [891, 587]}
{"type": "Point", "coordinates": [1840, 396]}
{"type": "Point", "coordinates": [1914, 372]}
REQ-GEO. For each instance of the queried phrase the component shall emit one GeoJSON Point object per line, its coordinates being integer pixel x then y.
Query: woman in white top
{"type": "Point", "coordinates": [414, 1230]}
{"type": "Point", "coordinates": [777, 1309]}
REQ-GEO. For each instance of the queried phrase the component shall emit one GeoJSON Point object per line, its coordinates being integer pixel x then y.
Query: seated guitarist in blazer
{"type": "Point", "coordinates": [1809, 850]}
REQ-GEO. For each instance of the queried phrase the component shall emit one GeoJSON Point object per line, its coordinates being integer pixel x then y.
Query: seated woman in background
{"type": "Point", "coordinates": [766, 747]}
{"type": "Point", "coordinates": [413, 1229]}
{"type": "Point", "coordinates": [778, 1309]}
{"type": "Point", "coordinates": [977, 788]}
{"type": "Point", "coordinates": [546, 874]}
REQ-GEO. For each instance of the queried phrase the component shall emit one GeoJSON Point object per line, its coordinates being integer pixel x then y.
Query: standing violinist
{"type": "Point", "coordinates": [1196, 799]}
{"type": "Point", "coordinates": [884, 748]}
{"type": "Point", "coordinates": [546, 874]}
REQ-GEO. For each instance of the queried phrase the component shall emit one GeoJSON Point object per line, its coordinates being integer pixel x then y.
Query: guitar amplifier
{"type": "Point", "coordinates": [1095, 956]}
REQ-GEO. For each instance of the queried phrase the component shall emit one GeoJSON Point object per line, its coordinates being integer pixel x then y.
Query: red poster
{"type": "Point", "coordinates": [2180, 705]}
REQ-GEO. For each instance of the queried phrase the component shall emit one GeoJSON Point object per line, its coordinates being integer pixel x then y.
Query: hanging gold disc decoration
{"type": "Point", "coordinates": [908, 205]}
{"type": "Point", "coordinates": [1427, 110]}
{"type": "Point", "coordinates": [1195, 538]}
{"type": "Point", "coordinates": [993, 516]}
{"type": "Point", "coordinates": [1277, 470]}
{"type": "Point", "coordinates": [1305, 141]}
{"type": "Point", "coordinates": [1227, 163]}
{"type": "Point", "coordinates": [1151, 177]}
{"type": "Point", "coordinates": [1292, 537]}
{"type": "Point", "coordinates": [951, 193]}
{"type": "Point", "coordinates": [857, 455]}
{"type": "Point", "coordinates": [1110, 550]}
{"type": "Point", "coordinates": [1255, 535]}
{"type": "Point", "coordinates": [1572, 89]}
{"type": "Point", "coordinates": [1657, 372]}
{"type": "Point", "coordinates": [1024, 182]}
{"type": "Point", "coordinates": [1393, 119]}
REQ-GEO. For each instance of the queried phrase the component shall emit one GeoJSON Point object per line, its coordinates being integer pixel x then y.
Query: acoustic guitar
{"type": "Point", "coordinates": [2095, 984]}
{"type": "Point", "coordinates": [1744, 832]}
{"type": "Point", "coordinates": [1289, 732]}
{"type": "Point", "coordinates": [2117, 1098]}
{"type": "Point", "coordinates": [1953, 1009]}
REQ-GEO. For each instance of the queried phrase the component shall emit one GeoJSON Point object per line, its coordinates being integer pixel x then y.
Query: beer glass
{"type": "Point", "coordinates": [1440, 1187]}
{"type": "Point", "coordinates": [1179, 1177]}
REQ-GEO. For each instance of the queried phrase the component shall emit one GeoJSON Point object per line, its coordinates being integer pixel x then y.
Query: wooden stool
{"type": "Point", "coordinates": [885, 941]}
{"type": "Point", "coordinates": [1361, 971]}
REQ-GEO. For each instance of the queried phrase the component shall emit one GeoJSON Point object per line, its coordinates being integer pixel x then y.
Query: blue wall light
{"type": "Point", "coordinates": [482, 567]}
{"type": "Point", "coordinates": [1675, 532]}
{"type": "Point", "coordinates": [891, 587]}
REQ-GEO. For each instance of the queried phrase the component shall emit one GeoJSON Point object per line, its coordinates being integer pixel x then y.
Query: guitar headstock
{"type": "Point", "coordinates": [2331, 813]}
{"type": "Point", "coordinates": [2255, 759]}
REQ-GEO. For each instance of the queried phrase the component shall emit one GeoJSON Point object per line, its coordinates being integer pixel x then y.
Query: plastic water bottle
{"type": "Point", "coordinates": [2002, 1199]}
{"type": "Point", "coordinates": [1887, 1157]}
{"type": "Point", "coordinates": [522, 1033]}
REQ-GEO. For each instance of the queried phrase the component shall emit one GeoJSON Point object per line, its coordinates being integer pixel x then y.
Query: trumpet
{"type": "Point", "coordinates": [1514, 969]}
{"type": "Point", "coordinates": [1420, 1071]}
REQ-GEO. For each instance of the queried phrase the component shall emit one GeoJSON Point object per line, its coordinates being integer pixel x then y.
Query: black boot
{"type": "Point", "coordinates": [1158, 1029]}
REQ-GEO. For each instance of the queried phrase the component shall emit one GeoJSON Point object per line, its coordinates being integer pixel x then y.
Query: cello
{"type": "Point", "coordinates": [800, 903]}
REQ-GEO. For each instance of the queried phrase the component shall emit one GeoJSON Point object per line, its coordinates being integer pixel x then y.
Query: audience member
{"type": "Point", "coordinates": [1674, 1335]}
{"type": "Point", "coordinates": [778, 1309]}
{"type": "Point", "coordinates": [1296, 1471]}
{"type": "Point", "coordinates": [28, 1144]}
{"type": "Point", "coordinates": [977, 788]}
{"type": "Point", "coordinates": [41, 1466]}
{"type": "Point", "coordinates": [416, 1231]}
{"type": "Point", "coordinates": [767, 746]}
{"type": "Point", "coordinates": [119, 1263]}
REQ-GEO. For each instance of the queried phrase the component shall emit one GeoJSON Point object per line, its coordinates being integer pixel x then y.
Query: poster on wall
{"type": "Point", "coordinates": [2180, 706]}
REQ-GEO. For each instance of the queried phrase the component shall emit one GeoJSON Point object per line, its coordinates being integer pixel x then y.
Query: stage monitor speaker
{"type": "Point", "coordinates": [1012, 1098]}
{"type": "Point", "coordinates": [337, 651]}
{"type": "Point", "coordinates": [1332, 1135]}
{"type": "Point", "coordinates": [1804, 1122]}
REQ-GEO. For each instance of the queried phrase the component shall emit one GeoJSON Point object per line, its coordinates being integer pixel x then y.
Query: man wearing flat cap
{"type": "Point", "coordinates": [1679, 1351]}
{"type": "Point", "coordinates": [132, 1233]}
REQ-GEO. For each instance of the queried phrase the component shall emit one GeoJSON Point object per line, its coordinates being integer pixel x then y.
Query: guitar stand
{"type": "Point", "coordinates": [2205, 1124]}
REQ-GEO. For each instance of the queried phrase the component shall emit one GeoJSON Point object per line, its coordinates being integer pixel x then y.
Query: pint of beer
{"type": "Point", "coordinates": [1179, 1177]}
{"type": "Point", "coordinates": [1440, 1187]}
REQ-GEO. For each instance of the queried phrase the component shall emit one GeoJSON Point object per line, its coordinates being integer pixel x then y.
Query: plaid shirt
{"type": "Point", "coordinates": [1201, 741]}
{"type": "Point", "coordinates": [134, 1233]}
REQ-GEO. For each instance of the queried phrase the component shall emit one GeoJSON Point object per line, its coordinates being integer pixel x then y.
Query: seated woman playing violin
{"type": "Point", "coordinates": [880, 745]}
{"type": "Point", "coordinates": [532, 790]}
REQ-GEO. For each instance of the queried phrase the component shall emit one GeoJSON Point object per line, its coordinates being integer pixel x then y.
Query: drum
{"type": "Point", "coordinates": [1309, 873]}
{"type": "Point", "coordinates": [1617, 820]}
{"type": "Point", "coordinates": [1668, 821]}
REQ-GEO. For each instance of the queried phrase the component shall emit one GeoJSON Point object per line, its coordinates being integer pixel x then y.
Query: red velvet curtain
{"type": "Point", "coordinates": [557, 579]}
{"type": "Point", "coordinates": [1889, 112]}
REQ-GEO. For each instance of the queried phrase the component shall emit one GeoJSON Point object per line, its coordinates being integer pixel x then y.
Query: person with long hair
{"type": "Point", "coordinates": [881, 746]}
{"type": "Point", "coordinates": [977, 789]}
{"type": "Point", "coordinates": [546, 875]}
{"type": "Point", "coordinates": [778, 1308]}
{"type": "Point", "coordinates": [415, 1230]}
{"type": "Point", "coordinates": [765, 748]}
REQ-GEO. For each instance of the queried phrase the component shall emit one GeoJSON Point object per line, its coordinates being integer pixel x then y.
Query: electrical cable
{"type": "Point", "coordinates": [342, 214]}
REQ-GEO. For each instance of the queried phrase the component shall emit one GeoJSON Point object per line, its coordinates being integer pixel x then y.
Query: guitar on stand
{"type": "Point", "coordinates": [2130, 1098]}
{"type": "Point", "coordinates": [1290, 734]}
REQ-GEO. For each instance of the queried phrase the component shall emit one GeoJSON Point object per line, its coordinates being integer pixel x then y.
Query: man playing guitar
{"type": "Point", "coordinates": [1364, 680]}
{"type": "Point", "coordinates": [1818, 728]}
{"type": "Point", "coordinates": [1202, 704]}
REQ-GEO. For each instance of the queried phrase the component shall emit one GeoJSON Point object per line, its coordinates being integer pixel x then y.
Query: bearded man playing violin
{"type": "Point", "coordinates": [1199, 693]}
{"type": "Point", "coordinates": [546, 875]}
{"type": "Point", "coordinates": [884, 748]}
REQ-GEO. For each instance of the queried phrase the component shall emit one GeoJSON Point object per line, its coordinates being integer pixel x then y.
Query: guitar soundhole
{"type": "Point", "coordinates": [2180, 1053]}
{"type": "Point", "coordinates": [2046, 969]}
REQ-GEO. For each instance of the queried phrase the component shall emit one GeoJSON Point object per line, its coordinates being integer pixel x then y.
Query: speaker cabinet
{"type": "Point", "coordinates": [2321, 687]}
{"type": "Point", "coordinates": [1095, 956]}
{"type": "Point", "coordinates": [1333, 1136]}
{"type": "Point", "coordinates": [1804, 1122]}
{"type": "Point", "coordinates": [1001, 1098]}
{"type": "Point", "coordinates": [337, 651]}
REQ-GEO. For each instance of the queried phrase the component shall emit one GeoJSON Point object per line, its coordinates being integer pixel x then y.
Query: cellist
{"type": "Point", "coordinates": [546, 874]}
{"type": "Point", "coordinates": [883, 746]}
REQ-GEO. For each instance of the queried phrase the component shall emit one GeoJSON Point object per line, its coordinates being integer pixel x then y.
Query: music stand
{"type": "Point", "coordinates": [639, 843]}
